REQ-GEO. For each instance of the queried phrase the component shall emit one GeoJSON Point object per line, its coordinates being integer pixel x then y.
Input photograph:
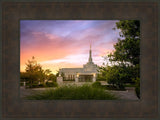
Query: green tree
{"type": "Point", "coordinates": [52, 77]}
{"type": "Point", "coordinates": [23, 76]}
{"type": "Point", "coordinates": [34, 74]}
{"type": "Point", "coordinates": [118, 75]}
{"type": "Point", "coordinates": [125, 59]}
{"type": "Point", "coordinates": [127, 49]}
{"type": "Point", "coordinates": [61, 74]}
{"type": "Point", "coordinates": [101, 76]}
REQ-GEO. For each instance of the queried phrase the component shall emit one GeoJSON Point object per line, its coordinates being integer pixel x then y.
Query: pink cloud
{"type": "Point", "coordinates": [48, 46]}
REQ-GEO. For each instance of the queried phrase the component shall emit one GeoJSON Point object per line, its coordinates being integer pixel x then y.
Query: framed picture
{"type": "Point", "coordinates": [83, 62]}
{"type": "Point", "coordinates": [55, 33]}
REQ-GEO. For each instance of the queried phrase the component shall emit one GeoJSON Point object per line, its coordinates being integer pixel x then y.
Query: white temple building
{"type": "Point", "coordinates": [85, 74]}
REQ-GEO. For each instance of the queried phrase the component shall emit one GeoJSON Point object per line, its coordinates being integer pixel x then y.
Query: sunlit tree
{"type": "Point", "coordinates": [34, 74]}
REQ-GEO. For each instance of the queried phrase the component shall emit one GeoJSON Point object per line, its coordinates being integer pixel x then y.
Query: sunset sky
{"type": "Point", "coordinates": [59, 44]}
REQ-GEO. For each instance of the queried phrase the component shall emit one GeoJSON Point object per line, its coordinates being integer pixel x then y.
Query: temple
{"type": "Point", "coordinates": [86, 74]}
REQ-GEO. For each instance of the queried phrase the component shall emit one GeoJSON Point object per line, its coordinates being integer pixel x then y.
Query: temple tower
{"type": "Point", "coordinates": [90, 55]}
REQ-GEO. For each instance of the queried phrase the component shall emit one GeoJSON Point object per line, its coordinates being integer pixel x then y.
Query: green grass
{"type": "Point", "coordinates": [85, 92]}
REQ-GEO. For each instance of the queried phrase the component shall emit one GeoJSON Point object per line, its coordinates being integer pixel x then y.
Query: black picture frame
{"type": "Point", "coordinates": [14, 107]}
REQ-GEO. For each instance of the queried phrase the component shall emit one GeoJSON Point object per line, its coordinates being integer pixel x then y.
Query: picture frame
{"type": "Point", "coordinates": [14, 107]}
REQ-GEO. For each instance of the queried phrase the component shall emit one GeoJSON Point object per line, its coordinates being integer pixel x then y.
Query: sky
{"type": "Point", "coordinates": [59, 44]}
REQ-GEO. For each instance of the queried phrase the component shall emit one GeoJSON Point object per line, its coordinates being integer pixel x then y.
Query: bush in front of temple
{"type": "Point", "coordinates": [84, 92]}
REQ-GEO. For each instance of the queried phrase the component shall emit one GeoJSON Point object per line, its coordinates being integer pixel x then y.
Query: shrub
{"type": "Point", "coordinates": [69, 80]}
{"type": "Point", "coordinates": [51, 84]}
{"type": "Point", "coordinates": [55, 84]}
{"type": "Point", "coordinates": [34, 86]}
{"type": "Point", "coordinates": [101, 76]}
{"type": "Point", "coordinates": [41, 85]}
{"type": "Point", "coordinates": [115, 76]}
{"type": "Point", "coordinates": [84, 92]}
{"type": "Point", "coordinates": [21, 84]}
{"type": "Point", "coordinates": [96, 84]}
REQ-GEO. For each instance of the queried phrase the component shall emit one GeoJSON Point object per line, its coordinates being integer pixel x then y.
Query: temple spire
{"type": "Point", "coordinates": [90, 55]}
